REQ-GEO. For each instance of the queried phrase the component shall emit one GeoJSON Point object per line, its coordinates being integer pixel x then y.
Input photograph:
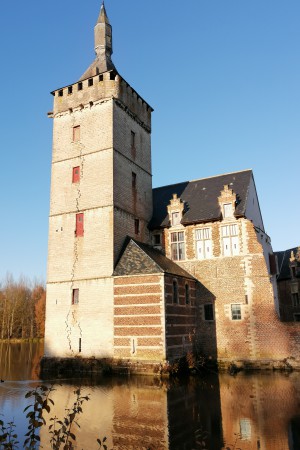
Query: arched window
{"type": "Point", "coordinates": [187, 294]}
{"type": "Point", "coordinates": [175, 291]}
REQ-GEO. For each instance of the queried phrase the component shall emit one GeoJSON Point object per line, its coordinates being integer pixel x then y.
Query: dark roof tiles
{"type": "Point", "coordinates": [140, 259]}
{"type": "Point", "coordinates": [200, 198]}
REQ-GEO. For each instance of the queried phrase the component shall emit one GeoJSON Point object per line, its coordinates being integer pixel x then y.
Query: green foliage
{"type": "Point", "coordinates": [61, 431]}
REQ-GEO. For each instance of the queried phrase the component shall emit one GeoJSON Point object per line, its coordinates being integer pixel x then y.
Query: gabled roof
{"type": "Point", "coordinates": [200, 198]}
{"type": "Point", "coordinates": [283, 259]}
{"type": "Point", "coordinates": [139, 259]}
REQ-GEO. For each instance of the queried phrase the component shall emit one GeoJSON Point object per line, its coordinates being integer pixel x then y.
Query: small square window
{"type": "Point", "coordinates": [236, 312]}
{"type": "Point", "coordinates": [76, 133]}
{"type": "Point", "coordinates": [75, 296]}
{"type": "Point", "coordinates": [136, 226]}
{"type": "Point", "coordinates": [76, 175]}
{"type": "Point", "coordinates": [209, 312]}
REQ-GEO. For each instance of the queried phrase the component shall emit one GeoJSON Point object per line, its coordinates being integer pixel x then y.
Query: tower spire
{"type": "Point", "coordinates": [103, 46]}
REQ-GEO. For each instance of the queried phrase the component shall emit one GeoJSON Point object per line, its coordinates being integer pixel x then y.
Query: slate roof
{"type": "Point", "coordinates": [140, 259]}
{"type": "Point", "coordinates": [201, 198]}
{"type": "Point", "coordinates": [283, 259]}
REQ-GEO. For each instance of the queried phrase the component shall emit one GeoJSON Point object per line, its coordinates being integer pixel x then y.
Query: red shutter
{"type": "Point", "coordinates": [76, 175]}
{"type": "Point", "coordinates": [79, 225]}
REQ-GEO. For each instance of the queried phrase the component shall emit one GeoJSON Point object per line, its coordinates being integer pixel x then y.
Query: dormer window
{"type": "Point", "coordinates": [176, 218]}
{"type": "Point", "coordinates": [227, 202]}
{"type": "Point", "coordinates": [175, 210]}
{"type": "Point", "coordinates": [227, 210]}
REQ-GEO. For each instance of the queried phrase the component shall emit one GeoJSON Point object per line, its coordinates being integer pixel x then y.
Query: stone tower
{"type": "Point", "coordinates": [101, 192]}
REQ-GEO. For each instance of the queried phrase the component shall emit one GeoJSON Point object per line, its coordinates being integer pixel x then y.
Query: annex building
{"type": "Point", "coordinates": [146, 275]}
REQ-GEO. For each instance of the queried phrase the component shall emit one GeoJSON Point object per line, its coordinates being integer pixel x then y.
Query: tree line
{"type": "Point", "coordinates": [22, 309]}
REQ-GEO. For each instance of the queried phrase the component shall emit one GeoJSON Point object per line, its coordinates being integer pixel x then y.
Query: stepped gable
{"type": "Point", "coordinates": [139, 259]}
{"type": "Point", "coordinates": [200, 198]}
{"type": "Point", "coordinates": [283, 258]}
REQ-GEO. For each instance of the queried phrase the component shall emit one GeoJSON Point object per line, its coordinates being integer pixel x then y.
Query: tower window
{"type": "Point", "coordinates": [79, 225]}
{"type": "Point", "coordinates": [177, 246]}
{"type": "Point", "coordinates": [112, 76]}
{"type": "Point", "coordinates": [76, 174]}
{"type": "Point", "coordinates": [101, 77]}
{"type": "Point", "coordinates": [75, 296]}
{"type": "Point", "coordinates": [76, 133]}
{"type": "Point", "coordinates": [79, 85]}
{"type": "Point", "coordinates": [132, 139]}
{"type": "Point", "coordinates": [70, 89]}
{"type": "Point", "coordinates": [133, 180]}
{"type": "Point", "coordinates": [90, 82]}
{"type": "Point", "coordinates": [60, 93]}
{"type": "Point", "coordinates": [136, 226]}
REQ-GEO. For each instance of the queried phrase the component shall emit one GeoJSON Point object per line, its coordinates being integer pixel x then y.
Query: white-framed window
{"type": "Point", "coordinates": [236, 312]}
{"type": "Point", "coordinates": [227, 210]}
{"type": "Point", "coordinates": [177, 246]}
{"type": "Point", "coordinates": [230, 240]}
{"type": "Point", "coordinates": [245, 429]}
{"type": "Point", "coordinates": [203, 243]}
{"type": "Point", "coordinates": [176, 218]}
{"type": "Point", "coordinates": [209, 312]}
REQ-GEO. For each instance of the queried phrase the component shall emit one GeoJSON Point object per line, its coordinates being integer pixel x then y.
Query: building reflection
{"type": "Point", "coordinates": [258, 411]}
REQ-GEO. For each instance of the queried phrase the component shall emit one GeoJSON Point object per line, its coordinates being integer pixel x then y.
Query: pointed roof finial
{"type": "Point", "coordinates": [103, 18]}
{"type": "Point", "coordinates": [103, 47]}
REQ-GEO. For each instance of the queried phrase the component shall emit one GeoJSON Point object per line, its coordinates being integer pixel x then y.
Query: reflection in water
{"type": "Point", "coordinates": [248, 411]}
{"type": "Point", "coordinates": [20, 361]}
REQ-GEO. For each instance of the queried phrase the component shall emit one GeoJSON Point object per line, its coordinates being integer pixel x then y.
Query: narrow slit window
{"type": "Point", "coordinates": [175, 291]}
{"type": "Point", "coordinates": [75, 296]}
{"type": "Point", "coordinates": [187, 294]}
{"type": "Point", "coordinates": [79, 225]}
{"type": "Point", "coordinates": [76, 175]}
{"type": "Point", "coordinates": [132, 139]}
{"type": "Point", "coordinates": [76, 133]}
{"type": "Point", "coordinates": [133, 180]}
{"type": "Point", "coordinates": [136, 226]}
{"type": "Point", "coordinates": [79, 85]}
{"type": "Point", "coordinates": [70, 89]}
{"type": "Point", "coordinates": [79, 346]}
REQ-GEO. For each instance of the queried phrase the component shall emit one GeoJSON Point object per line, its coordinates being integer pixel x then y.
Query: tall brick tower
{"type": "Point", "coordinates": [100, 192]}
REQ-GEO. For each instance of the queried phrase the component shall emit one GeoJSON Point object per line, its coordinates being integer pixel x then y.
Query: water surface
{"type": "Point", "coordinates": [248, 411]}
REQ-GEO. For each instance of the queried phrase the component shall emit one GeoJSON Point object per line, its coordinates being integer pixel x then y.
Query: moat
{"type": "Point", "coordinates": [215, 411]}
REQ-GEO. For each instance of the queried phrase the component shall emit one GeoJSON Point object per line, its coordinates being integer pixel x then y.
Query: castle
{"type": "Point", "coordinates": [142, 275]}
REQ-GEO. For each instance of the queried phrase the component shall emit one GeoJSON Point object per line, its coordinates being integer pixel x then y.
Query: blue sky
{"type": "Point", "coordinates": [223, 78]}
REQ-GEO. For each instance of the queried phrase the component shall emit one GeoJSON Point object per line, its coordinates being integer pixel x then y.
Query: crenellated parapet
{"type": "Point", "coordinates": [102, 87]}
